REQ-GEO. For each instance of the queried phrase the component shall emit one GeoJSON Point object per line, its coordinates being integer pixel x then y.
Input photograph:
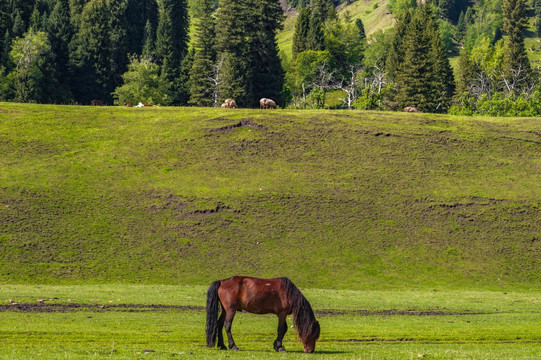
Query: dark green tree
{"type": "Point", "coordinates": [60, 32]}
{"type": "Point", "coordinates": [91, 57]}
{"type": "Point", "coordinates": [141, 21]}
{"type": "Point", "coordinates": [318, 15]}
{"type": "Point", "coordinates": [267, 73]}
{"type": "Point", "coordinates": [424, 79]}
{"type": "Point", "coordinates": [19, 25]}
{"type": "Point", "coordinates": [360, 27]}
{"type": "Point", "coordinates": [202, 85]}
{"type": "Point", "coordinates": [395, 56]}
{"type": "Point", "coordinates": [517, 69]}
{"type": "Point", "coordinates": [149, 40]}
{"type": "Point", "coordinates": [300, 36]}
{"type": "Point", "coordinates": [118, 37]}
{"type": "Point", "coordinates": [233, 52]}
{"type": "Point", "coordinates": [171, 45]}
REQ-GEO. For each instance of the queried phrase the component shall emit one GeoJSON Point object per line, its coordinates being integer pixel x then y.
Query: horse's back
{"type": "Point", "coordinates": [255, 295]}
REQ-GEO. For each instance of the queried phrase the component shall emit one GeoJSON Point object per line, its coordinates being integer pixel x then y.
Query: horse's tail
{"type": "Point", "coordinates": [212, 313]}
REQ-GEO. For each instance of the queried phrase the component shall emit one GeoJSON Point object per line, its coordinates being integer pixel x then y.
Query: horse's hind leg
{"type": "Point", "coordinates": [228, 322]}
{"type": "Point", "coordinates": [221, 320]}
{"type": "Point", "coordinates": [282, 329]}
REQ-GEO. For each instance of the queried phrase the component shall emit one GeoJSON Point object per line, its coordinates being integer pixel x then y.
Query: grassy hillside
{"type": "Point", "coordinates": [331, 199]}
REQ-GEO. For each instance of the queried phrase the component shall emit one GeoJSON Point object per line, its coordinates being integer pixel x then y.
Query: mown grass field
{"type": "Point", "coordinates": [167, 322]}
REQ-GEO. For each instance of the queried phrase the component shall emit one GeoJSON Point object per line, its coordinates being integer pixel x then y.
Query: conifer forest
{"type": "Point", "coordinates": [201, 52]}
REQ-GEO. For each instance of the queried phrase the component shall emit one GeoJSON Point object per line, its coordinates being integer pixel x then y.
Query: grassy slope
{"type": "Point", "coordinates": [331, 199]}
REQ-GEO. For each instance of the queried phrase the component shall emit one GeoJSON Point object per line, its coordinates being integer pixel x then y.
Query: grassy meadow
{"type": "Point", "coordinates": [412, 235]}
{"type": "Point", "coordinates": [111, 323]}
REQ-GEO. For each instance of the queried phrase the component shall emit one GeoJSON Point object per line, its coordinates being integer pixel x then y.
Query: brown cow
{"type": "Point", "coordinates": [96, 102]}
{"type": "Point", "coordinates": [412, 109]}
{"type": "Point", "coordinates": [265, 103]}
{"type": "Point", "coordinates": [229, 103]}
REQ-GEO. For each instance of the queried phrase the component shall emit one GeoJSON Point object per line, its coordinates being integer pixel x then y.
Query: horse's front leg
{"type": "Point", "coordinates": [282, 329]}
{"type": "Point", "coordinates": [228, 322]}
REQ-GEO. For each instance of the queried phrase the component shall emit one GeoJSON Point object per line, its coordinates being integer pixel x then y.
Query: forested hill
{"type": "Point", "coordinates": [322, 54]}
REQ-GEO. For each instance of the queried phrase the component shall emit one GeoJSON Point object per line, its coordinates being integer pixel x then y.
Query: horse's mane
{"type": "Point", "coordinates": [303, 315]}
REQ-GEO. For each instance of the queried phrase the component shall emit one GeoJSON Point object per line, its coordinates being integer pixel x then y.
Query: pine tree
{"type": "Point", "coordinates": [171, 44]}
{"type": "Point", "coordinates": [517, 68]}
{"type": "Point", "coordinates": [19, 26]}
{"type": "Point", "coordinates": [300, 36]}
{"type": "Point", "coordinates": [267, 72]}
{"type": "Point", "coordinates": [141, 16]}
{"type": "Point", "coordinates": [233, 51]}
{"type": "Point", "coordinates": [318, 15]}
{"type": "Point", "coordinates": [201, 86]}
{"type": "Point", "coordinates": [60, 32]}
{"type": "Point", "coordinates": [424, 78]}
{"type": "Point", "coordinates": [465, 72]}
{"type": "Point", "coordinates": [395, 56]}
{"type": "Point", "coordinates": [461, 27]}
{"type": "Point", "coordinates": [118, 25]}
{"type": "Point", "coordinates": [360, 26]}
{"type": "Point", "coordinates": [92, 54]}
{"type": "Point", "coordinates": [148, 40]}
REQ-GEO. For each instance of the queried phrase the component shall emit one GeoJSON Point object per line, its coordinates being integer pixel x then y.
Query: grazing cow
{"type": "Point", "coordinates": [412, 109]}
{"type": "Point", "coordinates": [96, 102]}
{"type": "Point", "coordinates": [265, 103]}
{"type": "Point", "coordinates": [229, 104]}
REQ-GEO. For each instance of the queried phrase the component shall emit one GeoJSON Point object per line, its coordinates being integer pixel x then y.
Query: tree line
{"type": "Point", "coordinates": [130, 51]}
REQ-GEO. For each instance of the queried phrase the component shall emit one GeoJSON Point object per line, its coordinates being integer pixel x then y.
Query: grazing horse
{"type": "Point", "coordinates": [259, 296]}
{"type": "Point", "coordinates": [229, 103]}
{"type": "Point", "coordinates": [412, 109]}
{"type": "Point", "coordinates": [96, 102]}
{"type": "Point", "coordinates": [265, 103]}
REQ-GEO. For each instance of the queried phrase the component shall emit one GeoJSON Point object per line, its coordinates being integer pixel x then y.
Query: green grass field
{"type": "Point", "coordinates": [355, 324]}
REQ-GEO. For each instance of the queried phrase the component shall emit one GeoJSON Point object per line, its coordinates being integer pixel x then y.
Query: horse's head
{"type": "Point", "coordinates": [310, 340]}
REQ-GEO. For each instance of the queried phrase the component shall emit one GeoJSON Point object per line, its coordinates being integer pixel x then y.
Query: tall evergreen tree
{"type": "Point", "coordinates": [318, 15]}
{"type": "Point", "coordinates": [19, 25]}
{"type": "Point", "coordinates": [149, 40]}
{"type": "Point", "coordinates": [360, 26]}
{"type": "Point", "coordinates": [141, 16]}
{"type": "Point", "coordinates": [171, 44]}
{"type": "Point", "coordinates": [233, 51]}
{"type": "Point", "coordinates": [268, 75]}
{"type": "Point", "coordinates": [395, 56]}
{"type": "Point", "coordinates": [92, 54]}
{"type": "Point", "coordinates": [517, 68]}
{"type": "Point", "coordinates": [118, 25]}
{"type": "Point", "coordinates": [60, 32]}
{"type": "Point", "coordinates": [300, 36]}
{"type": "Point", "coordinates": [424, 78]}
{"type": "Point", "coordinates": [202, 87]}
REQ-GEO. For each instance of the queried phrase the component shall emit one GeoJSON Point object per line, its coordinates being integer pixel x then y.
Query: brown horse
{"type": "Point", "coordinates": [259, 296]}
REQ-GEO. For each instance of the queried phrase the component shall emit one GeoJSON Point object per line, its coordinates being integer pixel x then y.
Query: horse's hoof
{"type": "Point", "coordinates": [282, 349]}
{"type": "Point", "coordinates": [223, 347]}
{"type": "Point", "coordinates": [235, 348]}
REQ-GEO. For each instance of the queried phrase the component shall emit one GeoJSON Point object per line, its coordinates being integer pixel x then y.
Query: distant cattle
{"type": "Point", "coordinates": [229, 103]}
{"type": "Point", "coordinates": [96, 102]}
{"type": "Point", "coordinates": [265, 103]}
{"type": "Point", "coordinates": [412, 109]}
